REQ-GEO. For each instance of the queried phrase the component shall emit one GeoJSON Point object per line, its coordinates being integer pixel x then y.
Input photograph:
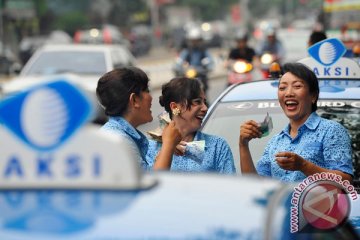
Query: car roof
{"type": "Point", "coordinates": [267, 90]}
{"type": "Point", "coordinates": [81, 47]}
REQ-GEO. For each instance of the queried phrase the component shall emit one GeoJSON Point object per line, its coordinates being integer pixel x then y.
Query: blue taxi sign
{"type": "Point", "coordinates": [47, 115]}
{"type": "Point", "coordinates": [44, 143]}
{"type": "Point", "coordinates": [328, 51]}
{"type": "Point", "coordinates": [327, 61]}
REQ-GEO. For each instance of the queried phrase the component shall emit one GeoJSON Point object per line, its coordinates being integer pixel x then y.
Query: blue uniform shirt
{"type": "Point", "coordinates": [216, 157]}
{"type": "Point", "coordinates": [137, 140]}
{"type": "Point", "coordinates": [323, 142]}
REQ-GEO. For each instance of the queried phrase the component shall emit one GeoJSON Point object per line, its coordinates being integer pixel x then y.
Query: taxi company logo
{"type": "Point", "coordinates": [46, 116]}
{"type": "Point", "coordinates": [243, 106]}
{"type": "Point", "coordinates": [328, 51]}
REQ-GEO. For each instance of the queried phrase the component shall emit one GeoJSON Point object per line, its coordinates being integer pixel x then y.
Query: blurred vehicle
{"type": "Point", "coordinates": [212, 36]}
{"type": "Point", "coordinates": [341, 19]}
{"type": "Point", "coordinates": [85, 63]}
{"type": "Point", "coordinates": [195, 60]}
{"type": "Point", "coordinates": [86, 184]}
{"type": "Point", "coordinates": [28, 45]}
{"type": "Point", "coordinates": [239, 71]}
{"type": "Point", "coordinates": [9, 63]}
{"type": "Point", "coordinates": [339, 100]}
{"type": "Point", "coordinates": [106, 34]}
{"type": "Point", "coordinates": [140, 40]}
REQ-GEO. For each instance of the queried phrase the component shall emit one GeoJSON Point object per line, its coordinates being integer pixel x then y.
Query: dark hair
{"type": "Point", "coordinates": [179, 90]}
{"type": "Point", "coordinates": [114, 88]}
{"type": "Point", "coordinates": [317, 36]}
{"type": "Point", "coordinates": [303, 72]}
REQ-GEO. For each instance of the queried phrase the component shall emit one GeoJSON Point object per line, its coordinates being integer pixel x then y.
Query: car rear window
{"type": "Point", "coordinates": [56, 62]}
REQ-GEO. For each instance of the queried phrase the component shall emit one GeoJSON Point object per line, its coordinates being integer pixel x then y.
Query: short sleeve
{"type": "Point", "coordinates": [225, 161]}
{"type": "Point", "coordinates": [337, 149]}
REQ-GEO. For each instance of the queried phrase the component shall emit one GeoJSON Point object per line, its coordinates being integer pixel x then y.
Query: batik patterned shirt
{"type": "Point", "coordinates": [216, 156]}
{"type": "Point", "coordinates": [137, 139]}
{"type": "Point", "coordinates": [321, 141]}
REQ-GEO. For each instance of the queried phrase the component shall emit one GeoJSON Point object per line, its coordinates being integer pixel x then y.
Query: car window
{"type": "Point", "coordinates": [226, 118]}
{"type": "Point", "coordinates": [54, 62]}
{"type": "Point", "coordinates": [121, 58]}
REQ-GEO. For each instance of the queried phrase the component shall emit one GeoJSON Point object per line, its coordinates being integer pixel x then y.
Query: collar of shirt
{"type": "Point", "coordinates": [311, 123]}
{"type": "Point", "coordinates": [127, 128]}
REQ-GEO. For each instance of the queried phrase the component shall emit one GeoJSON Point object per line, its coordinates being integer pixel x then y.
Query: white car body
{"type": "Point", "coordinates": [70, 68]}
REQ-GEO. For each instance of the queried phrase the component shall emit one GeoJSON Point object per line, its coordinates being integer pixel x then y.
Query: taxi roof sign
{"type": "Point", "coordinates": [327, 61]}
{"type": "Point", "coordinates": [44, 144]}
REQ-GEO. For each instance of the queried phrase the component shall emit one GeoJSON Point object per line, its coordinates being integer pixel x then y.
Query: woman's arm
{"type": "Point", "coordinates": [248, 131]}
{"type": "Point", "coordinates": [170, 138]}
{"type": "Point", "coordinates": [293, 162]}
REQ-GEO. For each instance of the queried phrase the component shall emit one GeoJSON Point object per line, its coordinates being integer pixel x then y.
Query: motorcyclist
{"type": "Point", "coordinates": [242, 50]}
{"type": "Point", "coordinates": [196, 55]}
{"type": "Point", "coordinates": [272, 45]}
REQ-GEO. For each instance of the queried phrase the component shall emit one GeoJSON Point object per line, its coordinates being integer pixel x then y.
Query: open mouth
{"type": "Point", "coordinates": [200, 118]}
{"type": "Point", "coordinates": [291, 104]}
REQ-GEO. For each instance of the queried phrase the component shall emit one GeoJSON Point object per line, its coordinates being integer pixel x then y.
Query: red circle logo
{"type": "Point", "coordinates": [325, 205]}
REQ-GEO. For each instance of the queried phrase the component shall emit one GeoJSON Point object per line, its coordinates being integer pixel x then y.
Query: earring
{"type": "Point", "coordinates": [176, 111]}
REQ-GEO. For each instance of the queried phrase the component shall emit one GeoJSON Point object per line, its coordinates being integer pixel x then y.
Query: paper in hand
{"type": "Point", "coordinates": [164, 120]}
{"type": "Point", "coordinates": [195, 150]}
{"type": "Point", "coordinates": [266, 126]}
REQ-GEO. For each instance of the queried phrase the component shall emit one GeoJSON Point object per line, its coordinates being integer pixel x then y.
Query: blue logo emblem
{"type": "Point", "coordinates": [328, 51]}
{"type": "Point", "coordinates": [44, 117]}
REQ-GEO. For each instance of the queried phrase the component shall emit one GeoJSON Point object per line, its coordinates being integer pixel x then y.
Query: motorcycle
{"type": "Point", "coordinates": [239, 71]}
{"type": "Point", "coordinates": [190, 71]}
{"type": "Point", "coordinates": [266, 60]}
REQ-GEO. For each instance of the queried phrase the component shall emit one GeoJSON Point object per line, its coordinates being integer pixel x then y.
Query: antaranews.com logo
{"type": "Point", "coordinates": [321, 200]}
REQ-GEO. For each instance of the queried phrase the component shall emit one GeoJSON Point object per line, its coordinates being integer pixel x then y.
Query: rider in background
{"type": "Point", "coordinates": [272, 45]}
{"type": "Point", "coordinates": [316, 36]}
{"type": "Point", "coordinates": [242, 50]}
{"type": "Point", "coordinates": [195, 54]}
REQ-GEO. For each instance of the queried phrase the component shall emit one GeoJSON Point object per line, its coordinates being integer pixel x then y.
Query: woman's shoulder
{"type": "Point", "coordinates": [330, 124]}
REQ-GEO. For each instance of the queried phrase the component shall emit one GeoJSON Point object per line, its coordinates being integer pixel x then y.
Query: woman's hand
{"type": "Point", "coordinates": [180, 148]}
{"type": "Point", "coordinates": [290, 161]}
{"type": "Point", "coordinates": [249, 130]}
{"type": "Point", "coordinates": [171, 135]}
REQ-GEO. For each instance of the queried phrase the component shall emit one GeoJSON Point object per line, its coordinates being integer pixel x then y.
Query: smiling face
{"type": "Point", "coordinates": [190, 119]}
{"type": "Point", "coordinates": [295, 98]}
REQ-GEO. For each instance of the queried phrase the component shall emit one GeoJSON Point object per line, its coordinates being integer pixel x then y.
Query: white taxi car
{"type": "Point", "coordinates": [83, 64]}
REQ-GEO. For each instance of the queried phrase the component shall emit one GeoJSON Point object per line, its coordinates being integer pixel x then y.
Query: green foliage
{"type": "Point", "coordinates": [70, 22]}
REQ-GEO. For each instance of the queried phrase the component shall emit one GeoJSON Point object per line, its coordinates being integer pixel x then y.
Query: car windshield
{"type": "Point", "coordinates": [55, 62]}
{"type": "Point", "coordinates": [227, 117]}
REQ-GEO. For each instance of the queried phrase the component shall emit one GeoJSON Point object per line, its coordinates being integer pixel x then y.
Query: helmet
{"type": "Point", "coordinates": [194, 34]}
{"type": "Point", "coordinates": [270, 32]}
{"type": "Point", "coordinates": [241, 35]}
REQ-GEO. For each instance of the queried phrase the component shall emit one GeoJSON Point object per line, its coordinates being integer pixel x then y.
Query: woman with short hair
{"type": "Point", "coordinates": [309, 144]}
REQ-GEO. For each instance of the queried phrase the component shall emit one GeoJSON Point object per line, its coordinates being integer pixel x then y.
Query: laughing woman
{"type": "Point", "coordinates": [185, 102]}
{"type": "Point", "coordinates": [125, 96]}
{"type": "Point", "coordinates": [309, 144]}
